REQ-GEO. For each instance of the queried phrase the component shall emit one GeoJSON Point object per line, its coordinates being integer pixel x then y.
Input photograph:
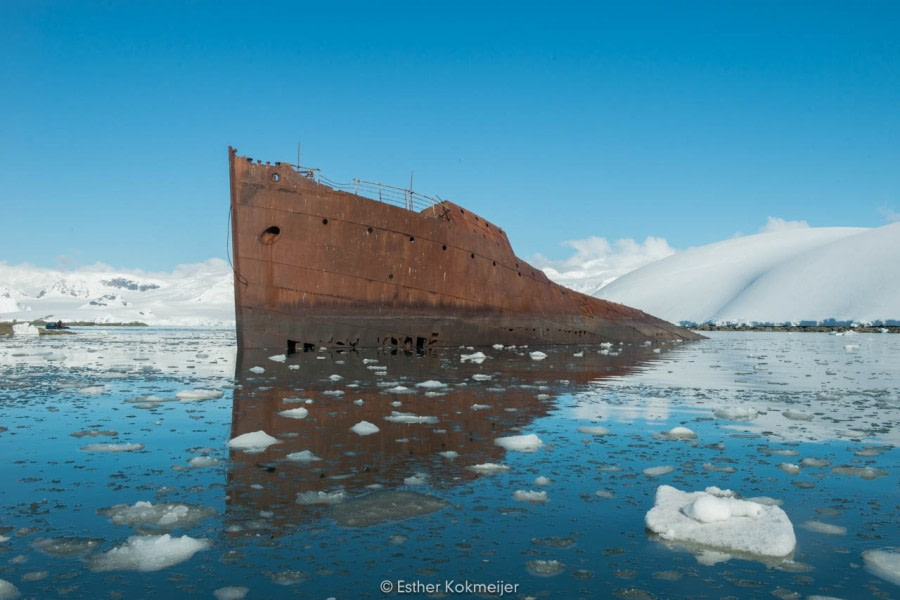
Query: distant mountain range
{"type": "Point", "coordinates": [799, 275]}
{"type": "Point", "coordinates": [191, 295]}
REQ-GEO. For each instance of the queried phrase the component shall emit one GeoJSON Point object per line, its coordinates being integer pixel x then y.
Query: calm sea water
{"type": "Point", "coordinates": [118, 480]}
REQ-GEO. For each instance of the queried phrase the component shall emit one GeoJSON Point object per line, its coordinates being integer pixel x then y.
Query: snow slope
{"type": "Point", "coordinates": [795, 275]}
{"type": "Point", "coordinates": [192, 295]}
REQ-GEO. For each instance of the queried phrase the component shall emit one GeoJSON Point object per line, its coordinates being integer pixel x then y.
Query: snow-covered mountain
{"type": "Point", "coordinates": [794, 274]}
{"type": "Point", "coordinates": [790, 276]}
{"type": "Point", "coordinates": [191, 295]}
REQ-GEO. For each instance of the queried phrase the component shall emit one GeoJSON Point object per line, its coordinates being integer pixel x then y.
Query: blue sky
{"type": "Point", "coordinates": [689, 121]}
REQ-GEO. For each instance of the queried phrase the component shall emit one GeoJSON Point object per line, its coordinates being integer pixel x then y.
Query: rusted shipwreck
{"type": "Point", "coordinates": [318, 263]}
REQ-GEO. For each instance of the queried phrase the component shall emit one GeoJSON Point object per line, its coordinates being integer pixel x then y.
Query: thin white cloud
{"type": "Point", "coordinates": [889, 214]}
{"type": "Point", "coordinates": [596, 261]}
{"type": "Point", "coordinates": [775, 224]}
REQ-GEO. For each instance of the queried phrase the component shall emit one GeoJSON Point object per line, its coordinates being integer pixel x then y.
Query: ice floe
{"type": "Point", "coordinates": [475, 357]}
{"type": "Point", "coordinates": [826, 528]}
{"type": "Point", "coordinates": [112, 447]}
{"type": "Point", "coordinates": [431, 384]}
{"type": "Point", "coordinates": [520, 443]}
{"type": "Point", "coordinates": [8, 591]}
{"type": "Point", "coordinates": [302, 456]}
{"type": "Point", "coordinates": [231, 593]}
{"type": "Point", "coordinates": [295, 413]}
{"type": "Point", "coordinates": [544, 568]}
{"type": "Point", "coordinates": [537, 355]}
{"type": "Point", "coordinates": [530, 496]}
{"type": "Point", "coordinates": [861, 472]}
{"type": "Point", "coordinates": [593, 430]}
{"type": "Point", "coordinates": [148, 553]}
{"type": "Point", "coordinates": [385, 505]}
{"type": "Point", "coordinates": [678, 433]}
{"type": "Point", "coordinates": [401, 417]}
{"type": "Point", "coordinates": [253, 442]}
{"type": "Point", "coordinates": [884, 562]}
{"type": "Point", "coordinates": [364, 428]}
{"type": "Point", "coordinates": [736, 413]}
{"type": "Point", "coordinates": [658, 471]}
{"type": "Point", "coordinates": [321, 497]}
{"type": "Point", "coordinates": [198, 395]}
{"type": "Point", "coordinates": [165, 516]}
{"type": "Point", "coordinates": [488, 468]}
{"type": "Point", "coordinates": [66, 546]}
{"type": "Point", "coordinates": [715, 518]}
{"type": "Point", "coordinates": [278, 358]}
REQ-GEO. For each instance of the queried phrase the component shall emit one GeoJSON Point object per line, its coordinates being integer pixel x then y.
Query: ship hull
{"type": "Point", "coordinates": [316, 266]}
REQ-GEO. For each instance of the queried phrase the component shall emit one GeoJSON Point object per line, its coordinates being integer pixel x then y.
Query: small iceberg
{"type": "Point", "coordinates": [520, 443]}
{"type": "Point", "coordinates": [253, 442]}
{"type": "Point", "coordinates": [716, 519]}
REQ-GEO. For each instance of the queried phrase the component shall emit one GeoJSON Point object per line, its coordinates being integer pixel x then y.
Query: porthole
{"type": "Point", "coordinates": [276, 177]}
{"type": "Point", "coordinates": [412, 239]}
{"type": "Point", "coordinates": [369, 230]}
{"type": "Point", "coordinates": [390, 275]}
{"type": "Point", "coordinates": [270, 234]}
{"type": "Point", "coordinates": [324, 221]}
{"type": "Point", "coordinates": [444, 247]}
{"type": "Point", "coordinates": [472, 255]}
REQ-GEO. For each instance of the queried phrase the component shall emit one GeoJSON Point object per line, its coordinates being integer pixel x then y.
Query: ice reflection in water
{"type": "Point", "coordinates": [427, 495]}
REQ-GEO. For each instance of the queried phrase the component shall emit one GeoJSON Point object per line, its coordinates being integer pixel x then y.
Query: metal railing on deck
{"type": "Point", "coordinates": [390, 194]}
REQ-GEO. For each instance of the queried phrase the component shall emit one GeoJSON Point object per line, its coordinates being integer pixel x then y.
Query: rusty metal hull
{"type": "Point", "coordinates": [316, 266]}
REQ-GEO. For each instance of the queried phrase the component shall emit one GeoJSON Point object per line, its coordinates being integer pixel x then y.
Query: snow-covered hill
{"type": "Point", "coordinates": [794, 275]}
{"type": "Point", "coordinates": [191, 295]}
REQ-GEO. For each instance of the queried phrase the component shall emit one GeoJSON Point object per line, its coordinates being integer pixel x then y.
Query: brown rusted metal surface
{"type": "Point", "coordinates": [315, 266]}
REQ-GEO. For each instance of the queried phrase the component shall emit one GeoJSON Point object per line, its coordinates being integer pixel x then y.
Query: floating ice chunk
{"type": "Point", "coordinates": [545, 568]}
{"type": "Point", "coordinates": [679, 433]}
{"type": "Point", "coordinates": [884, 563]}
{"type": "Point", "coordinates": [480, 406]}
{"type": "Point", "coordinates": [278, 358]}
{"type": "Point", "coordinates": [304, 456]}
{"type": "Point", "coordinates": [488, 468]}
{"type": "Point", "coordinates": [400, 417]}
{"type": "Point", "coordinates": [294, 413]}
{"type": "Point", "coordinates": [95, 433]}
{"type": "Point", "coordinates": [333, 392]}
{"type": "Point", "coordinates": [796, 415]}
{"type": "Point", "coordinates": [257, 370]}
{"type": "Point", "coordinates": [789, 468]}
{"type": "Point", "coordinates": [736, 413]}
{"type": "Point", "coordinates": [475, 357]}
{"type": "Point", "coordinates": [399, 389]}
{"type": "Point", "coordinates": [541, 480]}
{"type": "Point", "coordinates": [65, 546]}
{"type": "Point", "coordinates": [7, 590]}
{"type": "Point", "coordinates": [112, 447]}
{"type": "Point", "coordinates": [4, 538]}
{"type": "Point", "coordinates": [364, 428]}
{"type": "Point", "coordinates": [197, 395]}
{"type": "Point", "coordinates": [826, 528]}
{"type": "Point", "coordinates": [537, 355]}
{"type": "Point", "coordinates": [386, 505]}
{"type": "Point", "coordinates": [148, 553]}
{"type": "Point", "coordinates": [449, 454]}
{"type": "Point", "coordinates": [481, 377]}
{"type": "Point", "coordinates": [294, 367]}
{"type": "Point", "coordinates": [862, 472]}
{"type": "Point", "coordinates": [497, 346]}
{"type": "Point", "coordinates": [320, 497]}
{"type": "Point", "coordinates": [815, 462]}
{"type": "Point", "coordinates": [92, 390]}
{"type": "Point", "coordinates": [431, 384]}
{"type": "Point", "coordinates": [335, 377]}
{"type": "Point", "coordinates": [520, 443]}
{"type": "Point", "coordinates": [730, 524]}
{"type": "Point", "coordinates": [593, 430]}
{"type": "Point", "coordinates": [529, 496]}
{"type": "Point", "coordinates": [658, 471]}
{"type": "Point", "coordinates": [253, 442]}
{"type": "Point", "coordinates": [164, 516]}
{"type": "Point", "coordinates": [231, 593]}
{"type": "Point", "coordinates": [199, 462]}
{"type": "Point", "coordinates": [851, 347]}
{"type": "Point", "coordinates": [605, 494]}
{"type": "Point", "coordinates": [417, 479]}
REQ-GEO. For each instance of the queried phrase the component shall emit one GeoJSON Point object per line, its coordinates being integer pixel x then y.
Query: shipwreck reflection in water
{"type": "Point", "coordinates": [437, 415]}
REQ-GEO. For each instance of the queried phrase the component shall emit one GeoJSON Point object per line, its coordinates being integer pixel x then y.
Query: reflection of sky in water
{"type": "Point", "coordinates": [828, 410]}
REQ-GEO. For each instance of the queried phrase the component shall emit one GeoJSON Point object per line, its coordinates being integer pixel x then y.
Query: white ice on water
{"type": "Point", "coordinates": [401, 417]}
{"type": "Point", "coordinates": [537, 355]}
{"type": "Point", "coordinates": [717, 519]}
{"type": "Point", "coordinates": [364, 428]}
{"type": "Point", "coordinates": [321, 497]}
{"type": "Point", "coordinates": [8, 591]}
{"type": "Point", "coordinates": [294, 413]}
{"type": "Point", "coordinates": [884, 562]}
{"type": "Point", "coordinates": [475, 357]}
{"type": "Point", "coordinates": [530, 496]}
{"type": "Point", "coordinates": [304, 456]}
{"type": "Point", "coordinates": [148, 553]}
{"type": "Point", "coordinates": [593, 430]}
{"type": "Point", "coordinates": [112, 447]}
{"type": "Point", "coordinates": [166, 516]}
{"type": "Point", "coordinates": [197, 395]}
{"type": "Point", "coordinates": [489, 468]}
{"type": "Point", "coordinates": [520, 443]}
{"type": "Point", "coordinates": [255, 441]}
{"type": "Point", "coordinates": [231, 593]}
